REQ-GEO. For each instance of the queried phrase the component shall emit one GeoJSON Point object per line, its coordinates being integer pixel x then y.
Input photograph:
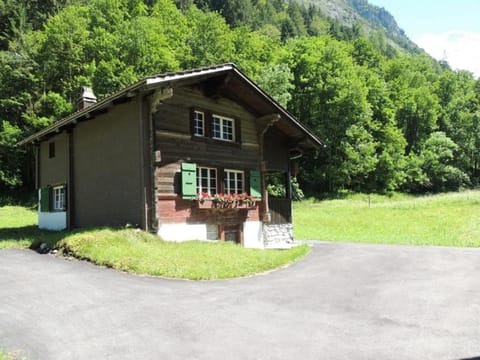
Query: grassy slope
{"type": "Point", "coordinates": [141, 252]}
{"type": "Point", "coordinates": [448, 220]}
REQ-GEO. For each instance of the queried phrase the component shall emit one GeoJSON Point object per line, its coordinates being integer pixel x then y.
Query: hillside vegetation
{"type": "Point", "coordinates": [391, 117]}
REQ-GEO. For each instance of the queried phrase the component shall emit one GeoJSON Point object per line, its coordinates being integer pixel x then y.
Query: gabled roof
{"type": "Point", "coordinates": [235, 85]}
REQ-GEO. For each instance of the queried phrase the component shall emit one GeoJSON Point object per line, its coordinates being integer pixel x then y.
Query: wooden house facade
{"type": "Point", "coordinates": [182, 154]}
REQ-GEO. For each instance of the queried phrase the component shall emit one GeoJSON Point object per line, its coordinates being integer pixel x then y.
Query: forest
{"type": "Point", "coordinates": [391, 117]}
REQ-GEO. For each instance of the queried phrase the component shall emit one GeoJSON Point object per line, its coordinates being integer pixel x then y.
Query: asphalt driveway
{"type": "Point", "coordinates": [344, 301]}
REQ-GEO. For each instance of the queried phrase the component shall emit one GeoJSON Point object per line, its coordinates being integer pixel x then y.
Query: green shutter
{"type": "Point", "coordinates": [255, 184]}
{"type": "Point", "coordinates": [189, 181]}
{"type": "Point", "coordinates": [45, 199]}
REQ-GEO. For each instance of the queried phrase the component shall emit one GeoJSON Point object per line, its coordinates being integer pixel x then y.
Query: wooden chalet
{"type": "Point", "coordinates": [182, 154]}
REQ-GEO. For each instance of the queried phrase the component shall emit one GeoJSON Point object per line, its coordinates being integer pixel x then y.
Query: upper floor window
{"type": "Point", "coordinates": [234, 182]}
{"type": "Point", "coordinates": [223, 128]}
{"type": "Point", "coordinates": [205, 125]}
{"type": "Point", "coordinates": [206, 180]}
{"type": "Point", "coordinates": [198, 123]}
{"type": "Point", "coordinates": [51, 149]}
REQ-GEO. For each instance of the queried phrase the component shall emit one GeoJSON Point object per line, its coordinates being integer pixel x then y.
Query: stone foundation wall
{"type": "Point", "coordinates": [278, 235]}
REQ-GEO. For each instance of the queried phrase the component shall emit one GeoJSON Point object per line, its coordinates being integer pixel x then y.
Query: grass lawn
{"type": "Point", "coordinates": [141, 252]}
{"type": "Point", "coordinates": [18, 229]}
{"type": "Point", "coordinates": [451, 219]}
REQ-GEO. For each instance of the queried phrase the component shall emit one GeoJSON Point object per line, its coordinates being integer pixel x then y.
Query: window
{"type": "Point", "coordinates": [51, 150]}
{"type": "Point", "coordinates": [202, 179]}
{"type": "Point", "coordinates": [206, 126]}
{"type": "Point", "coordinates": [206, 180]}
{"type": "Point", "coordinates": [223, 128]}
{"type": "Point", "coordinates": [198, 123]}
{"type": "Point", "coordinates": [234, 182]}
{"type": "Point", "coordinates": [59, 198]}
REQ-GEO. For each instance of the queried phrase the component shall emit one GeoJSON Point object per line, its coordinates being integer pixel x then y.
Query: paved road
{"type": "Point", "coordinates": [344, 301]}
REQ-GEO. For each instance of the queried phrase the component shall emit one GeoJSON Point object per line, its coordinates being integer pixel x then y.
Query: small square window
{"type": "Point", "coordinates": [51, 150]}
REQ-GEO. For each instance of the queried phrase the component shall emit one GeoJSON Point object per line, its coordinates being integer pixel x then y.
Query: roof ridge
{"type": "Point", "coordinates": [150, 82]}
{"type": "Point", "coordinates": [193, 70]}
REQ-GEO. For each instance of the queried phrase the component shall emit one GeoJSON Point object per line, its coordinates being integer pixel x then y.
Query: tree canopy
{"type": "Point", "coordinates": [390, 119]}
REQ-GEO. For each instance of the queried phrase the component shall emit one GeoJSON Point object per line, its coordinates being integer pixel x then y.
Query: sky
{"type": "Point", "coordinates": [446, 29]}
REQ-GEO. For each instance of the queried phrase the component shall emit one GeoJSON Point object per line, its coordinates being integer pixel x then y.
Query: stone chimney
{"type": "Point", "coordinates": [86, 98]}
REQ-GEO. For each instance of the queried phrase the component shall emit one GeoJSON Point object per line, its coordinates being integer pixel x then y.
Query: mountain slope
{"type": "Point", "coordinates": [370, 17]}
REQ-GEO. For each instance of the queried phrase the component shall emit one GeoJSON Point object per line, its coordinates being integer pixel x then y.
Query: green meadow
{"type": "Point", "coordinates": [451, 219]}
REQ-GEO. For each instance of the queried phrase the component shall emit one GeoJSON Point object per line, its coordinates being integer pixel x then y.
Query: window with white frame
{"type": "Point", "coordinates": [198, 123]}
{"type": "Point", "coordinates": [223, 128]}
{"type": "Point", "coordinates": [234, 182]}
{"type": "Point", "coordinates": [206, 180]}
{"type": "Point", "coordinates": [59, 198]}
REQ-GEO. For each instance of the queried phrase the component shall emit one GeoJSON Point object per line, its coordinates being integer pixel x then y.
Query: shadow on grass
{"type": "Point", "coordinates": [29, 236]}
{"type": "Point", "coordinates": [32, 237]}
{"type": "Point", "coordinates": [18, 197]}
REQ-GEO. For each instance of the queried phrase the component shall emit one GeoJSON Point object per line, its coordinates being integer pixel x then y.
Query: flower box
{"type": "Point", "coordinates": [229, 201]}
{"type": "Point", "coordinates": [211, 204]}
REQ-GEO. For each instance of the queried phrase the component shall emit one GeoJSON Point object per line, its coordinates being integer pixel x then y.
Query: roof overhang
{"type": "Point", "coordinates": [288, 123]}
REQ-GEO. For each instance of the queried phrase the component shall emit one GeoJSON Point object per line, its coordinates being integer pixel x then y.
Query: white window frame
{"type": "Point", "coordinates": [222, 133]}
{"type": "Point", "coordinates": [238, 178]}
{"type": "Point", "coordinates": [58, 198]}
{"type": "Point", "coordinates": [198, 123]}
{"type": "Point", "coordinates": [211, 176]}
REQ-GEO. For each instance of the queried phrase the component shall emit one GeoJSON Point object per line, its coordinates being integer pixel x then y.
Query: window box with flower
{"type": "Point", "coordinates": [226, 201]}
